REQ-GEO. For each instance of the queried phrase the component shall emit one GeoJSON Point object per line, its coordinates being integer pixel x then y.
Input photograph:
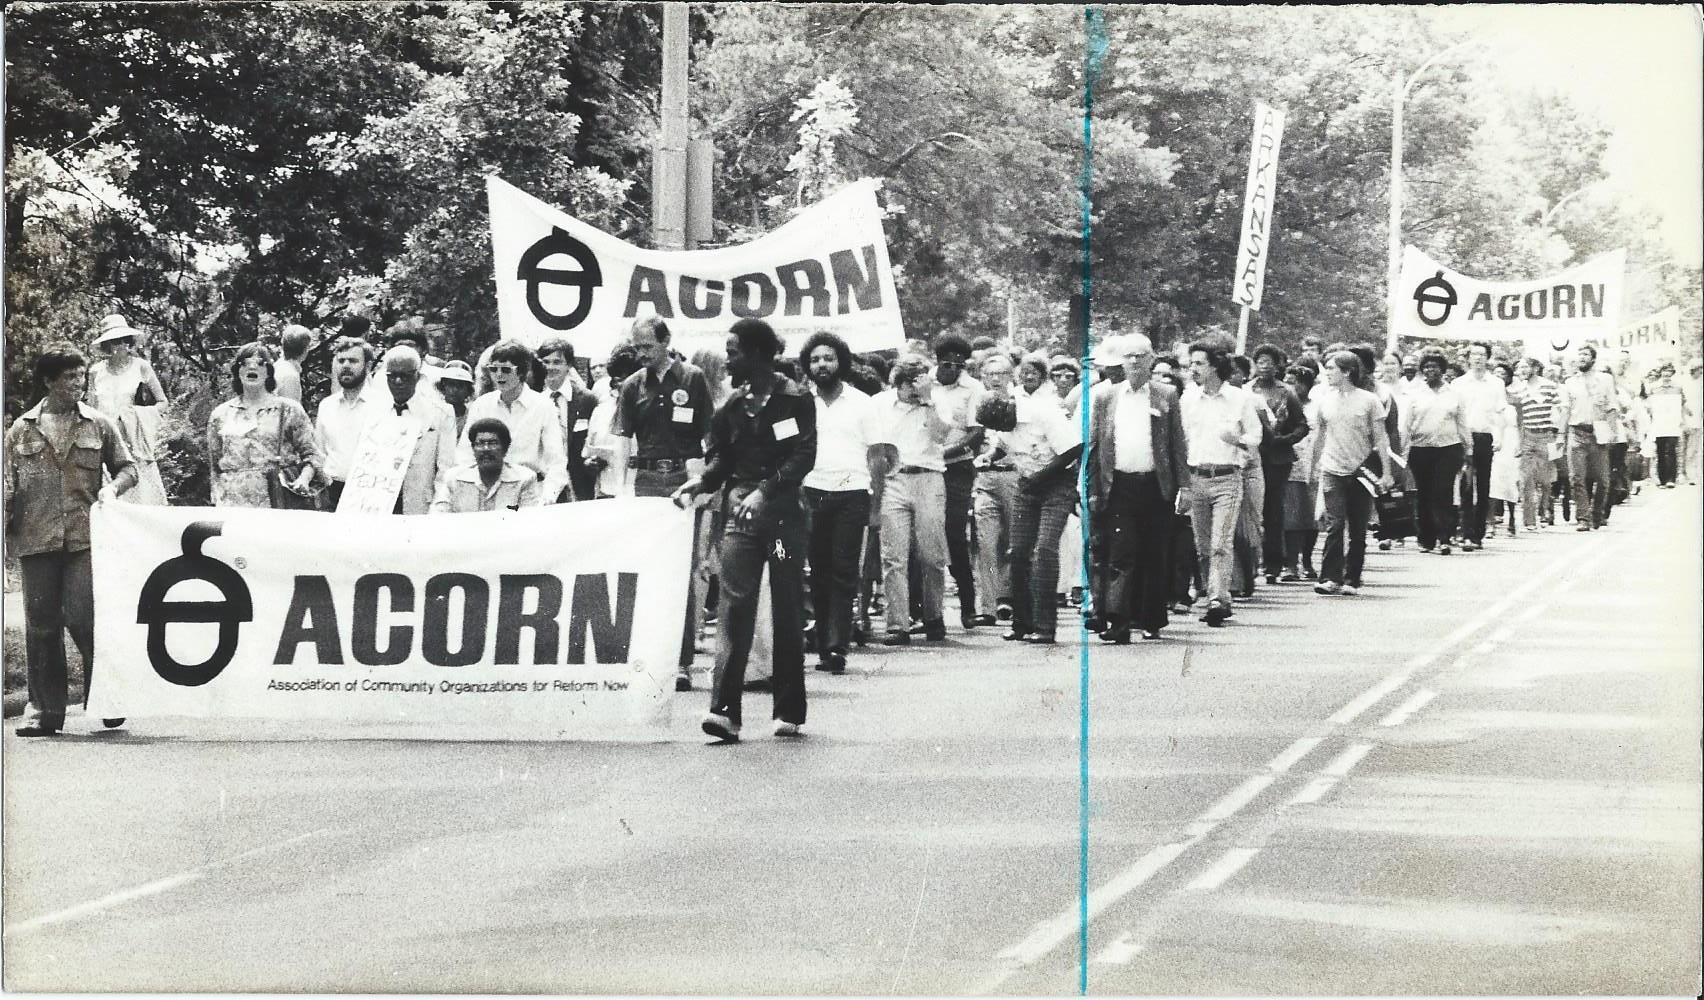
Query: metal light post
{"type": "Point", "coordinates": [1400, 87]}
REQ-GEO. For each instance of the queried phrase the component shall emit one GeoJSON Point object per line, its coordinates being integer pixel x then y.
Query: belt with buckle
{"type": "Point", "coordinates": [658, 464]}
{"type": "Point", "coordinates": [1214, 471]}
{"type": "Point", "coordinates": [911, 470]}
{"type": "Point", "coordinates": [1002, 467]}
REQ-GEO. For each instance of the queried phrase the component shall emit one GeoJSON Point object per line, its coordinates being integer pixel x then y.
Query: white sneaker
{"type": "Point", "coordinates": [721, 727]}
{"type": "Point", "coordinates": [1349, 590]}
{"type": "Point", "coordinates": [785, 728]}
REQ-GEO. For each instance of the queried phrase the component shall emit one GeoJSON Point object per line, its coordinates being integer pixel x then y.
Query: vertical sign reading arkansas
{"type": "Point", "coordinates": [1258, 200]}
{"type": "Point", "coordinates": [825, 269]}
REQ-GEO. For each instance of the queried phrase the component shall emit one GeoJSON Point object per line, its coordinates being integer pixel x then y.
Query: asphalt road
{"type": "Point", "coordinates": [1480, 776]}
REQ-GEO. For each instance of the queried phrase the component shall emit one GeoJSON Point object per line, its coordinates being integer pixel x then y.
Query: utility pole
{"type": "Point", "coordinates": [668, 166]}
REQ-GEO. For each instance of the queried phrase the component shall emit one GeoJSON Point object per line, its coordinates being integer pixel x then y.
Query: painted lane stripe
{"type": "Point", "coordinates": [155, 887]}
{"type": "Point", "coordinates": [1313, 791]}
{"type": "Point", "coordinates": [1222, 870]}
{"type": "Point", "coordinates": [1120, 952]}
{"type": "Point", "coordinates": [1415, 702]}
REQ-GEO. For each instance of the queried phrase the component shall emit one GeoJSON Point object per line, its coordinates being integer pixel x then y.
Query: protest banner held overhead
{"type": "Point", "coordinates": [523, 620]}
{"type": "Point", "coordinates": [1431, 301]}
{"type": "Point", "coordinates": [825, 269]}
{"type": "Point", "coordinates": [1258, 200]}
{"type": "Point", "coordinates": [1650, 341]}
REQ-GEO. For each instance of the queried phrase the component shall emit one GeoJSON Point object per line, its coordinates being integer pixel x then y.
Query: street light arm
{"type": "Point", "coordinates": [1415, 76]}
{"type": "Point", "coordinates": [1544, 221]}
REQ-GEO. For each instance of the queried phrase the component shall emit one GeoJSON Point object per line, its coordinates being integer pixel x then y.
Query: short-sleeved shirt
{"type": "Point", "coordinates": [843, 442]}
{"type": "Point", "coordinates": [1433, 416]}
{"type": "Point", "coordinates": [667, 417]}
{"type": "Point", "coordinates": [917, 432]}
{"type": "Point", "coordinates": [48, 495]}
{"type": "Point", "coordinates": [1353, 422]}
{"type": "Point", "coordinates": [1041, 434]}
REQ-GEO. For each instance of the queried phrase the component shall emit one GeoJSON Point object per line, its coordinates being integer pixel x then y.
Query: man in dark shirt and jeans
{"type": "Point", "coordinates": [665, 407]}
{"type": "Point", "coordinates": [762, 443]}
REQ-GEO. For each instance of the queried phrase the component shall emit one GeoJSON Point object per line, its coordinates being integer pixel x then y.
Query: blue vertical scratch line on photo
{"type": "Point", "coordinates": [1094, 21]}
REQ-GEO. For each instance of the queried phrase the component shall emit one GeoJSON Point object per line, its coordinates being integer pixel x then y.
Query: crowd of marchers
{"type": "Point", "coordinates": [834, 491]}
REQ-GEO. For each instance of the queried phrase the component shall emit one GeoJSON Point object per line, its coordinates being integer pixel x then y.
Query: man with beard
{"type": "Point", "coordinates": [837, 494]}
{"type": "Point", "coordinates": [762, 443]}
{"type": "Point", "coordinates": [339, 418]}
{"type": "Point", "coordinates": [1593, 412]}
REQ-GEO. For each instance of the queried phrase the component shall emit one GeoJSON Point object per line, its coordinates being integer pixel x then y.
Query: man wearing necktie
{"type": "Point", "coordinates": [574, 404]}
{"type": "Point", "coordinates": [435, 449]}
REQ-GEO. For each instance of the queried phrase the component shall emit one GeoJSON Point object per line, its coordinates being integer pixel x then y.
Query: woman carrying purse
{"type": "Point", "coordinates": [260, 446]}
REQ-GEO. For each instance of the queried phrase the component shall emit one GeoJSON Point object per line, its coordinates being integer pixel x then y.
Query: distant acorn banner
{"type": "Point", "coordinates": [825, 269]}
{"type": "Point", "coordinates": [1583, 302]}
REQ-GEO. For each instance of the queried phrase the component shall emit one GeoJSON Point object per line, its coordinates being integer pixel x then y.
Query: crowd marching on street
{"type": "Point", "coordinates": [863, 495]}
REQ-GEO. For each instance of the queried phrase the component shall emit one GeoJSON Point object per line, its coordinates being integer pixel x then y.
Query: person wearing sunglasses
{"type": "Point", "coordinates": [535, 435]}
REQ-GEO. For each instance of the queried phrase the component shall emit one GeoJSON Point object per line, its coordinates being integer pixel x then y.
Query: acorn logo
{"type": "Point", "coordinates": [586, 276]}
{"type": "Point", "coordinates": [1434, 291]}
{"type": "Point", "coordinates": [153, 610]}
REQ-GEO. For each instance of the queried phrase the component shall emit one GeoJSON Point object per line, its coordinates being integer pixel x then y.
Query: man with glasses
{"type": "Point", "coordinates": [665, 407]}
{"type": "Point", "coordinates": [535, 437]}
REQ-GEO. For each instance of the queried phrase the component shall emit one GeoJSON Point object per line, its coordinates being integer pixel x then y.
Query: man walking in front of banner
{"type": "Point", "coordinates": [837, 494]}
{"type": "Point", "coordinates": [54, 456]}
{"type": "Point", "coordinates": [665, 407]}
{"type": "Point", "coordinates": [573, 404]}
{"type": "Point", "coordinates": [908, 495]}
{"type": "Point", "coordinates": [1136, 463]}
{"type": "Point", "coordinates": [762, 443]}
{"type": "Point", "coordinates": [1537, 399]}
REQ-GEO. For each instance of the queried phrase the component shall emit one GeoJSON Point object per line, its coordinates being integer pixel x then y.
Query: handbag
{"type": "Point", "coordinates": [278, 492]}
{"type": "Point", "coordinates": [145, 395]}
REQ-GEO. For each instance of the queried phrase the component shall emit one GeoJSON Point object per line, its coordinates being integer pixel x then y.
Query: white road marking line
{"type": "Point", "coordinates": [1120, 952]}
{"type": "Point", "coordinates": [155, 887]}
{"type": "Point", "coordinates": [1297, 750]}
{"type": "Point", "coordinates": [1052, 932]}
{"type": "Point", "coordinates": [1222, 870]}
{"type": "Point", "coordinates": [1408, 708]}
{"type": "Point", "coordinates": [1346, 761]}
{"type": "Point", "coordinates": [1313, 791]}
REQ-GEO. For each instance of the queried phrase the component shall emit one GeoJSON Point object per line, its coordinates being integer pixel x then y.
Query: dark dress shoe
{"type": "Point", "coordinates": [1116, 636]}
{"type": "Point", "coordinates": [112, 723]}
{"type": "Point", "coordinates": [935, 631]}
{"type": "Point", "coordinates": [35, 729]}
{"type": "Point", "coordinates": [979, 620]}
{"type": "Point", "coordinates": [1216, 615]}
{"type": "Point", "coordinates": [896, 637]}
{"type": "Point", "coordinates": [1150, 633]}
{"type": "Point", "coordinates": [1040, 639]}
{"type": "Point", "coordinates": [1003, 611]}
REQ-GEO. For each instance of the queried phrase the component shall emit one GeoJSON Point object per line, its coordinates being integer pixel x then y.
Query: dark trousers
{"type": "Point", "coordinates": [1038, 519]}
{"type": "Point", "coordinates": [1668, 459]}
{"type": "Point", "coordinates": [1435, 471]}
{"type": "Point", "coordinates": [59, 597]}
{"type": "Point", "coordinates": [1476, 494]}
{"type": "Point", "coordinates": [777, 538]}
{"type": "Point", "coordinates": [1618, 485]}
{"type": "Point", "coordinates": [961, 487]}
{"type": "Point", "coordinates": [1186, 568]}
{"type": "Point", "coordinates": [1347, 507]}
{"type": "Point", "coordinates": [1588, 467]}
{"type": "Point", "coordinates": [647, 483]}
{"type": "Point", "coordinates": [1138, 553]}
{"type": "Point", "coordinates": [1272, 517]}
{"type": "Point", "coordinates": [837, 523]}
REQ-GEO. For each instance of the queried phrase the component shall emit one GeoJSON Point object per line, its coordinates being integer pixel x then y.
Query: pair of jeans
{"type": "Point", "coordinates": [1215, 502]}
{"type": "Point", "coordinates": [1588, 466]}
{"type": "Point", "coordinates": [59, 597]}
{"type": "Point", "coordinates": [1476, 493]}
{"type": "Point", "coordinates": [1435, 471]}
{"type": "Point", "coordinates": [776, 538]}
{"type": "Point", "coordinates": [837, 523]}
{"type": "Point", "coordinates": [1668, 463]}
{"type": "Point", "coordinates": [1347, 507]}
{"type": "Point", "coordinates": [996, 493]}
{"type": "Point", "coordinates": [961, 489]}
{"type": "Point", "coordinates": [1248, 542]}
{"type": "Point", "coordinates": [913, 509]}
{"type": "Point", "coordinates": [1038, 519]}
{"type": "Point", "coordinates": [1138, 553]}
{"type": "Point", "coordinates": [1537, 473]}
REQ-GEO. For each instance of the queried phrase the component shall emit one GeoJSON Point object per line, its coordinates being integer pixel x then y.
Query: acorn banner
{"type": "Point", "coordinates": [827, 268]}
{"type": "Point", "coordinates": [1581, 303]}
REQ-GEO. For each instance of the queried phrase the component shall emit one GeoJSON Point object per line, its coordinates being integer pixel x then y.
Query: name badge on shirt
{"type": "Point", "coordinates": [683, 414]}
{"type": "Point", "coordinates": [785, 429]}
{"type": "Point", "coordinates": [582, 425]}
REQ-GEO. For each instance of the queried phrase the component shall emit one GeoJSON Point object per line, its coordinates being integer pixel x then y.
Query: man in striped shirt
{"type": "Point", "coordinates": [1538, 399]}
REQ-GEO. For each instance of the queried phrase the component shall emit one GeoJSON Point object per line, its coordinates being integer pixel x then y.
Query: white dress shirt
{"type": "Point", "coordinates": [843, 441]}
{"type": "Point", "coordinates": [1133, 430]}
{"type": "Point", "coordinates": [1043, 432]}
{"type": "Point", "coordinates": [535, 436]}
{"type": "Point", "coordinates": [1483, 398]}
{"type": "Point", "coordinates": [337, 423]}
{"type": "Point", "coordinates": [1206, 416]}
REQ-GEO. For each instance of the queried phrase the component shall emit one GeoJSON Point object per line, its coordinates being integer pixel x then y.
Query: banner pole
{"type": "Point", "coordinates": [1242, 329]}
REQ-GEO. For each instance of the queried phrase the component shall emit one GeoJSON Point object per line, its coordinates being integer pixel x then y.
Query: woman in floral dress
{"type": "Point", "coordinates": [256, 432]}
